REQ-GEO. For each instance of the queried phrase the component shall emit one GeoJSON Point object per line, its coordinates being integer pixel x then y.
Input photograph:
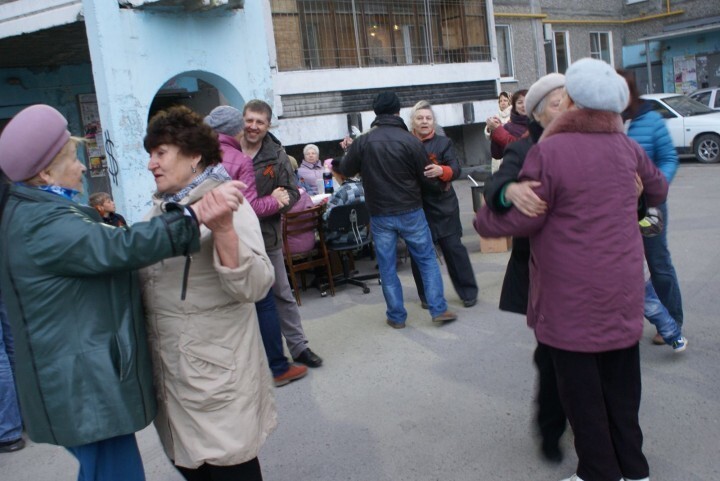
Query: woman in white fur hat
{"type": "Point", "coordinates": [586, 274]}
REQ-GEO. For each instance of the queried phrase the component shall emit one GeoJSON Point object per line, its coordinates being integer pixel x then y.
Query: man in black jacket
{"type": "Point", "coordinates": [392, 164]}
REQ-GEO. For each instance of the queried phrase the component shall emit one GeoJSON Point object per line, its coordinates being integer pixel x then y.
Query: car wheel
{"type": "Point", "coordinates": [707, 148]}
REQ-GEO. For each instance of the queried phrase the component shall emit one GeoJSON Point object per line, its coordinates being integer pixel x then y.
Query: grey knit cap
{"type": "Point", "coordinates": [225, 120]}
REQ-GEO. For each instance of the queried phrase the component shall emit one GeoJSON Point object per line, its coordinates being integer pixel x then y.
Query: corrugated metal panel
{"type": "Point", "coordinates": [337, 102]}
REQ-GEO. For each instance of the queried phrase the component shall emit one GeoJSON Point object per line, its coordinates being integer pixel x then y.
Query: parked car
{"type": "Point", "coordinates": [694, 127]}
{"type": "Point", "coordinates": [709, 97]}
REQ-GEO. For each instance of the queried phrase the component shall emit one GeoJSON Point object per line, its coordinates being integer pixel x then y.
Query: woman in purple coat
{"type": "Point", "coordinates": [586, 271]}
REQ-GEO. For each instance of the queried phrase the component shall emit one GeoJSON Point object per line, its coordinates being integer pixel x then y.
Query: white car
{"type": "Point", "coordinates": [709, 97]}
{"type": "Point", "coordinates": [694, 127]}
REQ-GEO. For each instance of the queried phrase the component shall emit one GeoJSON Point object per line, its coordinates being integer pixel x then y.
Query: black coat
{"type": "Point", "coordinates": [516, 284]}
{"type": "Point", "coordinates": [441, 205]}
{"type": "Point", "coordinates": [392, 164]}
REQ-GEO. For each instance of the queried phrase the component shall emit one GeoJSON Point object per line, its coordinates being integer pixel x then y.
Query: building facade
{"type": "Point", "coordinates": [108, 65]}
{"type": "Point", "coordinates": [677, 41]}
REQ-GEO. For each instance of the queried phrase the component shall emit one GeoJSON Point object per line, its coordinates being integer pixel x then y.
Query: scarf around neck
{"type": "Point", "coordinates": [422, 138]}
{"type": "Point", "coordinates": [216, 172]}
{"type": "Point", "coordinates": [53, 189]}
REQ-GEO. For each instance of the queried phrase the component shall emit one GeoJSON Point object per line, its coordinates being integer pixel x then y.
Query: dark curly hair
{"type": "Point", "coordinates": [515, 97]}
{"type": "Point", "coordinates": [184, 128]}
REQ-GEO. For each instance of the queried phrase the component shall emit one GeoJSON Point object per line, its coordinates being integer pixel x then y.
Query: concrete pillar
{"type": "Point", "coordinates": [134, 52]}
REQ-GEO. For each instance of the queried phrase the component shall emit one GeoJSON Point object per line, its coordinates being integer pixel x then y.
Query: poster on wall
{"type": "Point", "coordinates": [92, 131]}
{"type": "Point", "coordinates": [685, 74]}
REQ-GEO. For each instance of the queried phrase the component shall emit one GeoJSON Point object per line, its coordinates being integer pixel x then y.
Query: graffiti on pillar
{"type": "Point", "coordinates": [112, 165]}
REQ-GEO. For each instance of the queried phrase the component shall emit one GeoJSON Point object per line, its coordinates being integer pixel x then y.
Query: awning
{"type": "Point", "coordinates": [685, 32]}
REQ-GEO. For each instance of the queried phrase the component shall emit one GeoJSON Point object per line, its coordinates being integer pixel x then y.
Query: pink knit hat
{"type": "Point", "coordinates": [31, 141]}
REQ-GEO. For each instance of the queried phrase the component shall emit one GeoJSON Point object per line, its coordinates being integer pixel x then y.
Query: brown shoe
{"type": "Point", "coordinates": [658, 340]}
{"type": "Point", "coordinates": [293, 373]}
{"type": "Point", "coordinates": [446, 316]}
{"type": "Point", "coordinates": [395, 325]}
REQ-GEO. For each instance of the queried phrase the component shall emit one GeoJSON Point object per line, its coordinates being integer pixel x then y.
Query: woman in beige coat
{"type": "Point", "coordinates": [214, 388]}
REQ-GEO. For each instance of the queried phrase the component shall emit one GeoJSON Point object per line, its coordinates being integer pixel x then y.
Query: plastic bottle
{"type": "Point", "coordinates": [328, 181]}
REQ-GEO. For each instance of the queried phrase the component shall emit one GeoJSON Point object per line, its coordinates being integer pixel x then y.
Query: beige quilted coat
{"type": "Point", "coordinates": [214, 387]}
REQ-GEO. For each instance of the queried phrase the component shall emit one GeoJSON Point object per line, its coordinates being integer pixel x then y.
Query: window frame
{"type": "Point", "coordinates": [566, 39]}
{"type": "Point", "coordinates": [509, 51]}
{"type": "Point", "coordinates": [380, 33]}
{"type": "Point", "coordinates": [610, 46]}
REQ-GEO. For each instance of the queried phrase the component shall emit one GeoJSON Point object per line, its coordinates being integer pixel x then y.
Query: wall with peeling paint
{"type": "Point", "coordinates": [58, 87]}
{"type": "Point", "coordinates": [134, 52]}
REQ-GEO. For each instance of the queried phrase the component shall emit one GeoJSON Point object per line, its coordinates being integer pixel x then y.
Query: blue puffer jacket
{"type": "Point", "coordinates": [648, 129]}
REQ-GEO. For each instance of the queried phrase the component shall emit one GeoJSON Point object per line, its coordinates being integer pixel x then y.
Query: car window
{"type": "Point", "coordinates": [686, 106]}
{"type": "Point", "coordinates": [703, 98]}
{"type": "Point", "coordinates": [661, 109]}
{"type": "Point", "coordinates": [717, 99]}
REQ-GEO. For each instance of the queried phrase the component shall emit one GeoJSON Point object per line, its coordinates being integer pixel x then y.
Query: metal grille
{"type": "Point", "coordinates": [321, 34]}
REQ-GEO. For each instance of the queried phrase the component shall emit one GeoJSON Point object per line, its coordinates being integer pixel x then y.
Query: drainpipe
{"type": "Point", "coordinates": [649, 89]}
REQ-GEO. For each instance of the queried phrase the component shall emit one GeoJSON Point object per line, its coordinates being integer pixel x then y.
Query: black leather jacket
{"type": "Point", "coordinates": [392, 164]}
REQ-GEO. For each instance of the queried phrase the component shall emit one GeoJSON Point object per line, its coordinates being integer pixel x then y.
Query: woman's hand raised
{"type": "Point", "coordinates": [216, 207]}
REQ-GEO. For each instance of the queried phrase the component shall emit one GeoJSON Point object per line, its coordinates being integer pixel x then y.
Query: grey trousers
{"type": "Point", "coordinates": [287, 308]}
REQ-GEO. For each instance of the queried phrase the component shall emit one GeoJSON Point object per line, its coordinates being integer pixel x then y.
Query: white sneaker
{"type": "Point", "coordinates": [574, 477]}
{"type": "Point", "coordinates": [678, 346]}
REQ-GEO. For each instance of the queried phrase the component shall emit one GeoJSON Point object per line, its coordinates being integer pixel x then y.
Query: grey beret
{"type": "Point", "coordinates": [541, 88]}
{"type": "Point", "coordinates": [225, 120]}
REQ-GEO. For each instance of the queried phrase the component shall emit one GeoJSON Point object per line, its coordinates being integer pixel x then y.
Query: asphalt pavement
{"type": "Point", "coordinates": [455, 403]}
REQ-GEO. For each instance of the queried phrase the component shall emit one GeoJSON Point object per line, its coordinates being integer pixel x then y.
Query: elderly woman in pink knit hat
{"type": "Point", "coordinates": [83, 370]}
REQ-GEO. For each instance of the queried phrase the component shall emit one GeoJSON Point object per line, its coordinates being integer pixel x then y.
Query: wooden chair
{"type": "Point", "coordinates": [296, 223]}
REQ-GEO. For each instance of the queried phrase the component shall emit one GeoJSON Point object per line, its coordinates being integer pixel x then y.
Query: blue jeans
{"type": "Point", "coordinates": [271, 335]}
{"type": "Point", "coordinates": [662, 272]}
{"type": "Point", "coordinates": [10, 421]}
{"type": "Point", "coordinates": [114, 459]}
{"type": "Point", "coordinates": [412, 227]}
{"type": "Point", "coordinates": [660, 317]}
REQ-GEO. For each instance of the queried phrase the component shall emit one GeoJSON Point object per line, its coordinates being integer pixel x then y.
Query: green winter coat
{"type": "Point", "coordinates": [69, 281]}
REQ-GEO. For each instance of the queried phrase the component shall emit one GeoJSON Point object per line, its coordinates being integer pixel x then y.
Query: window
{"type": "Point", "coordinates": [322, 34]}
{"type": "Point", "coordinates": [601, 46]}
{"type": "Point", "coordinates": [504, 50]}
{"type": "Point", "coordinates": [662, 110]}
{"type": "Point", "coordinates": [562, 51]}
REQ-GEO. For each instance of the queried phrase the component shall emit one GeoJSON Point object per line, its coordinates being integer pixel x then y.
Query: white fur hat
{"type": "Point", "coordinates": [541, 88]}
{"type": "Point", "coordinates": [594, 84]}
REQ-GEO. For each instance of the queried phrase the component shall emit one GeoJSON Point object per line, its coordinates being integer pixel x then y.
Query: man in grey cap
{"type": "Point", "coordinates": [392, 164]}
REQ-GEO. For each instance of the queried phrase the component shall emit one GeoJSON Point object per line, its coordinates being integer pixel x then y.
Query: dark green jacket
{"type": "Point", "coordinates": [82, 364]}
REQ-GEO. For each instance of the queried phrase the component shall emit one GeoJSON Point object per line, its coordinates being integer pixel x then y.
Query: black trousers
{"type": "Point", "coordinates": [247, 471]}
{"type": "Point", "coordinates": [551, 419]}
{"type": "Point", "coordinates": [601, 396]}
{"type": "Point", "coordinates": [458, 266]}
